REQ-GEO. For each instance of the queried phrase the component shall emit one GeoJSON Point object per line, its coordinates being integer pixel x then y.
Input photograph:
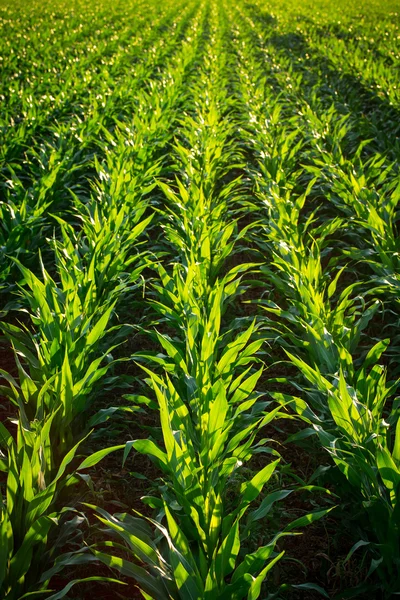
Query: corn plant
{"type": "Point", "coordinates": [210, 414]}
{"type": "Point", "coordinates": [22, 229]}
{"type": "Point", "coordinates": [364, 445]}
{"type": "Point", "coordinates": [30, 511]}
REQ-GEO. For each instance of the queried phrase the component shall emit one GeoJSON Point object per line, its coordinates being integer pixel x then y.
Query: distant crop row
{"type": "Point", "coordinates": [199, 253]}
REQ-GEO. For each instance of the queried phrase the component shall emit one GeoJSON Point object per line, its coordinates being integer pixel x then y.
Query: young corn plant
{"type": "Point", "coordinates": [364, 443]}
{"type": "Point", "coordinates": [59, 365]}
{"type": "Point", "coordinates": [22, 229]}
{"type": "Point", "coordinates": [34, 528]}
{"type": "Point", "coordinates": [210, 414]}
{"type": "Point", "coordinates": [62, 362]}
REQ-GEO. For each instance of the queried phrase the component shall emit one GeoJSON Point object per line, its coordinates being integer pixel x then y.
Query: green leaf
{"type": "Point", "coordinates": [71, 584]}
{"type": "Point", "coordinates": [396, 446]}
{"type": "Point", "coordinates": [310, 586]}
{"type": "Point", "coordinates": [37, 533]}
{"type": "Point", "coordinates": [227, 553]}
{"type": "Point", "coordinates": [251, 489]}
{"type": "Point", "coordinates": [150, 448]}
{"type": "Point", "coordinates": [92, 460]}
{"type": "Point", "coordinates": [255, 588]}
{"type": "Point", "coordinates": [99, 328]}
{"type": "Point", "coordinates": [149, 582]}
{"type": "Point", "coordinates": [308, 519]}
{"type": "Point", "coordinates": [388, 470]}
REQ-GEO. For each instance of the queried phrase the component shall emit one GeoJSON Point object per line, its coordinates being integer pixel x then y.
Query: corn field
{"type": "Point", "coordinates": [199, 299]}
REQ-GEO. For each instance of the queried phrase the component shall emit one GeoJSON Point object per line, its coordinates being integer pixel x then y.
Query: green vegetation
{"type": "Point", "coordinates": [199, 298]}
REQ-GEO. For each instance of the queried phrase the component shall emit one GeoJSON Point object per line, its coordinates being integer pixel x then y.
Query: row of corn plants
{"type": "Point", "coordinates": [348, 402]}
{"type": "Point", "coordinates": [68, 352]}
{"type": "Point", "coordinates": [59, 362]}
